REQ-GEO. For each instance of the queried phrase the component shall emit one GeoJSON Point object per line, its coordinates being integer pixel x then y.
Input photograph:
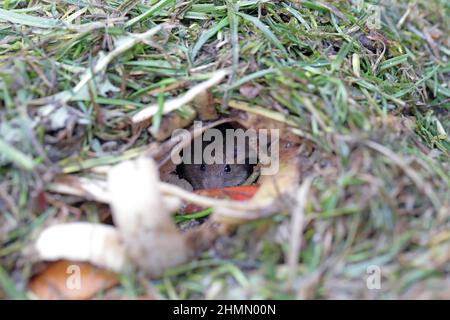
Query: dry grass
{"type": "Point", "coordinates": [375, 105]}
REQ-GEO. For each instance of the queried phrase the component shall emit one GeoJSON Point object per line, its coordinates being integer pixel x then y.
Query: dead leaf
{"type": "Point", "coordinates": [204, 104]}
{"type": "Point", "coordinates": [172, 122]}
{"type": "Point", "coordinates": [66, 280]}
{"type": "Point", "coordinates": [257, 121]}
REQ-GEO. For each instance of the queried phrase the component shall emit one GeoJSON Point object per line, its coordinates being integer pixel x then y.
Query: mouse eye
{"type": "Point", "coordinates": [227, 168]}
{"type": "Point", "coordinates": [202, 167]}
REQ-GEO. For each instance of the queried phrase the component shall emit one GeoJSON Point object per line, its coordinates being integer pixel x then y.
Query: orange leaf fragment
{"type": "Point", "coordinates": [68, 280]}
{"type": "Point", "coordinates": [239, 193]}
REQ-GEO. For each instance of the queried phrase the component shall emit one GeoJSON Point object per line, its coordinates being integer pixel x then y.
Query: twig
{"type": "Point", "coordinates": [176, 103]}
{"type": "Point", "coordinates": [297, 222]}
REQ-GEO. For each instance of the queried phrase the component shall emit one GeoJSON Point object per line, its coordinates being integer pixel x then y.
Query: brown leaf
{"type": "Point", "coordinates": [255, 121]}
{"type": "Point", "coordinates": [286, 179]}
{"type": "Point", "coordinates": [173, 121]}
{"type": "Point", "coordinates": [59, 281]}
{"type": "Point", "coordinates": [204, 104]}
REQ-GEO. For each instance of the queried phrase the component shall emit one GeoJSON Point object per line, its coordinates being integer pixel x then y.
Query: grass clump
{"type": "Point", "coordinates": [374, 101]}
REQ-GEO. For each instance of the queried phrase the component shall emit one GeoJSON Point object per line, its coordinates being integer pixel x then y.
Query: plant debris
{"type": "Point", "coordinates": [360, 93]}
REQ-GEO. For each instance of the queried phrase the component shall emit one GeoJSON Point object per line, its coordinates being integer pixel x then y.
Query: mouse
{"type": "Point", "coordinates": [213, 176]}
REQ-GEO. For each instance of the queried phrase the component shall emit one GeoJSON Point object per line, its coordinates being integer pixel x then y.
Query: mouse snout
{"type": "Point", "coordinates": [213, 182]}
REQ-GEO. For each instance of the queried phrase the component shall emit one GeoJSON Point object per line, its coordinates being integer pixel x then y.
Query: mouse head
{"type": "Point", "coordinates": [210, 176]}
{"type": "Point", "coordinates": [215, 172]}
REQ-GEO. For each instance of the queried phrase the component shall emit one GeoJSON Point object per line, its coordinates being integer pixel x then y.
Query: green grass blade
{"type": "Point", "coordinates": [150, 12]}
{"type": "Point", "coordinates": [15, 156]}
{"type": "Point", "coordinates": [264, 29]}
{"type": "Point", "coordinates": [207, 35]}
{"type": "Point", "coordinates": [27, 20]}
